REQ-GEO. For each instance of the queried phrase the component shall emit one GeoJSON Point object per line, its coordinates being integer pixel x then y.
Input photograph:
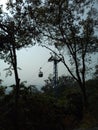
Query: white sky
{"type": "Point", "coordinates": [2, 2]}
{"type": "Point", "coordinates": [30, 60]}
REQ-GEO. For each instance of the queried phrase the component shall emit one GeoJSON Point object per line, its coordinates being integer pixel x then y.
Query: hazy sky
{"type": "Point", "coordinates": [3, 2]}
{"type": "Point", "coordinates": [30, 60]}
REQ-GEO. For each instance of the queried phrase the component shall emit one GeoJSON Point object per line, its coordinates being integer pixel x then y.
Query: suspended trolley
{"type": "Point", "coordinates": [40, 73]}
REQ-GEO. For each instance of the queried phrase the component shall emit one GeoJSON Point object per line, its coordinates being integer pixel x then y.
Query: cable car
{"type": "Point", "coordinates": [40, 73]}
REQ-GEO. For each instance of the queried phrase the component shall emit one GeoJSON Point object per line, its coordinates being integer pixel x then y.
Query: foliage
{"type": "Point", "coordinates": [2, 91]}
{"type": "Point", "coordinates": [66, 84]}
{"type": "Point", "coordinates": [92, 90]}
{"type": "Point", "coordinates": [70, 25]}
{"type": "Point", "coordinates": [41, 110]}
{"type": "Point", "coordinates": [96, 72]}
{"type": "Point", "coordinates": [16, 31]}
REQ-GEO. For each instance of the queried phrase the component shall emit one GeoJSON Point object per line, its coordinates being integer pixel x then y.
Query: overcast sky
{"type": "Point", "coordinates": [30, 60]}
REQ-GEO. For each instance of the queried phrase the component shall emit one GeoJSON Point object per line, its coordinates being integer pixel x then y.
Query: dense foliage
{"type": "Point", "coordinates": [70, 26]}
{"type": "Point", "coordinates": [41, 110]}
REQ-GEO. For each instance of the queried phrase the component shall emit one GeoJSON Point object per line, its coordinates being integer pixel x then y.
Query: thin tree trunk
{"type": "Point", "coordinates": [83, 90]}
{"type": "Point", "coordinates": [17, 82]}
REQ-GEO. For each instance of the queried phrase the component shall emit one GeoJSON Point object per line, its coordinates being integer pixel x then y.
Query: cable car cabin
{"type": "Point", "coordinates": [40, 74]}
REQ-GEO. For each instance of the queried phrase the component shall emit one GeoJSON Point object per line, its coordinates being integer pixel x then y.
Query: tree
{"type": "Point", "coordinates": [96, 72]}
{"type": "Point", "coordinates": [70, 25]}
{"type": "Point", "coordinates": [66, 85]}
{"type": "Point", "coordinates": [16, 31]}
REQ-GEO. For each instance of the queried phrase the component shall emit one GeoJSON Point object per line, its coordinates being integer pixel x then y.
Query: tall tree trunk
{"type": "Point", "coordinates": [83, 90]}
{"type": "Point", "coordinates": [17, 80]}
{"type": "Point", "coordinates": [17, 87]}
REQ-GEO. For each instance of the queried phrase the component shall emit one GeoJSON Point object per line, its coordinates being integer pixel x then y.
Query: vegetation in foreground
{"type": "Point", "coordinates": [50, 108]}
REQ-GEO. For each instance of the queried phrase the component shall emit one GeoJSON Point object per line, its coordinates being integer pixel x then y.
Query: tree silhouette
{"type": "Point", "coordinates": [16, 31]}
{"type": "Point", "coordinates": [70, 25]}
